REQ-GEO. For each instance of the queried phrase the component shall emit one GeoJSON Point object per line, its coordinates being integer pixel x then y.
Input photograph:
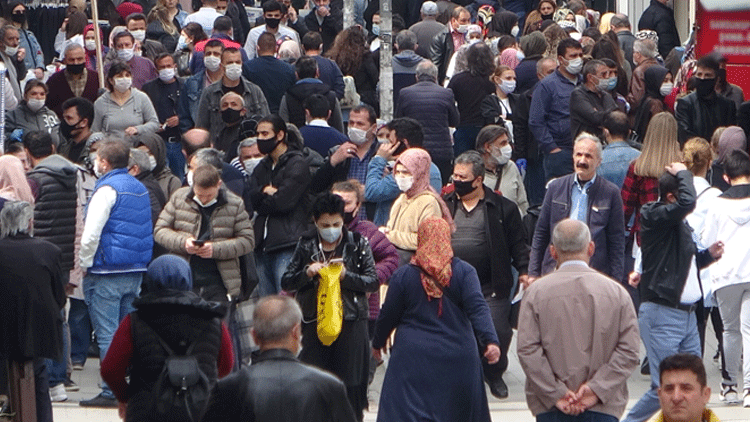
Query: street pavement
{"type": "Point", "coordinates": [511, 409]}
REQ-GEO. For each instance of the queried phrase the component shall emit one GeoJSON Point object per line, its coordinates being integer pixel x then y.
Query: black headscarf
{"type": "Point", "coordinates": [653, 77]}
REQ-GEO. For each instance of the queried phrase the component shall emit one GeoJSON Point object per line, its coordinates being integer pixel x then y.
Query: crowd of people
{"type": "Point", "coordinates": [550, 153]}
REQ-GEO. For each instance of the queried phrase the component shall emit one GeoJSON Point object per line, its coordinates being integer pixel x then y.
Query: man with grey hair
{"type": "Point", "coordinates": [585, 197]}
{"type": "Point", "coordinates": [427, 28]}
{"type": "Point", "coordinates": [33, 296]}
{"type": "Point", "coordinates": [13, 58]}
{"type": "Point", "coordinates": [277, 386]}
{"type": "Point", "coordinates": [490, 236]}
{"type": "Point", "coordinates": [620, 24]}
{"type": "Point", "coordinates": [591, 101]}
{"type": "Point", "coordinates": [72, 81]}
{"type": "Point", "coordinates": [578, 337]}
{"type": "Point", "coordinates": [230, 176]}
{"type": "Point", "coordinates": [248, 156]}
{"type": "Point", "coordinates": [644, 57]}
{"type": "Point", "coordinates": [140, 168]}
{"type": "Point", "coordinates": [405, 62]}
{"type": "Point", "coordinates": [434, 107]}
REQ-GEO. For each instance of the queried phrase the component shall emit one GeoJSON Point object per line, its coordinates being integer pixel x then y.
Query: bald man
{"type": "Point", "coordinates": [577, 335]}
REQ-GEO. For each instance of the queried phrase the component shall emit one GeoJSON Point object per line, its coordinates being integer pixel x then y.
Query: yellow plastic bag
{"type": "Point", "coordinates": [330, 305]}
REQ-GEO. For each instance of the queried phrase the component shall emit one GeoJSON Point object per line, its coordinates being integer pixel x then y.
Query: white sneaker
{"type": "Point", "coordinates": [728, 394]}
{"type": "Point", "coordinates": [57, 393]}
{"type": "Point", "coordinates": [746, 398]}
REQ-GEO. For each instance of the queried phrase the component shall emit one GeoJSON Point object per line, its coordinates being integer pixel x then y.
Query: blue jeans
{"type": "Point", "coordinates": [109, 298]}
{"type": "Point", "coordinates": [80, 330]}
{"type": "Point", "coordinates": [587, 416]}
{"type": "Point", "coordinates": [464, 139]}
{"type": "Point", "coordinates": [665, 331]}
{"type": "Point", "coordinates": [271, 267]}
{"type": "Point", "coordinates": [175, 159]}
{"type": "Point", "coordinates": [534, 182]}
{"type": "Point", "coordinates": [58, 370]}
{"type": "Point", "coordinates": [558, 164]}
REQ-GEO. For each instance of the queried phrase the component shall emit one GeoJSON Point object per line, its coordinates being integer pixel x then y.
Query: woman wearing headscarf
{"type": "Point", "coordinates": [503, 23]}
{"type": "Point", "coordinates": [417, 201]}
{"type": "Point", "coordinates": [332, 247]}
{"type": "Point", "coordinates": [89, 41]}
{"type": "Point", "coordinates": [436, 306]}
{"type": "Point", "coordinates": [731, 139]}
{"type": "Point", "coordinates": [13, 183]}
{"type": "Point", "coordinates": [533, 47]}
{"type": "Point", "coordinates": [658, 83]}
{"type": "Point", "coordinates": [157, 151]}
{"type": "Point", "coordinates": [167, 312]}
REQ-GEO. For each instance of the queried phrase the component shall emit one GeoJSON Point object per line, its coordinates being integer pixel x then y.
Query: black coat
{"type": "Point", "coordinates": [360, 278]}
{"type": "Point", "coordinates": [700, 117]}
{"type": "Point", "coordinates": [284, 214]}
{"type": "Point", "coordinates": [297, 94]}
{"type": "Point", "coordinates": [33, 295]}
{"type": "Point", "coordinates": [507, 239]}
{"type": "Point", "coordinates": [588, 109]}
{"type": "Point", "coordinates": [660, 18]}
{"type": "Point", "coordinates": [331, 26]}
{"type": "Point", "coordinates": [668, 246]}
{"type": "Point", "coordinates": [278, 387]}
{"type": "Point", "coordinates": [525, 144]}
{"type": "Point", "coordinates": [155, 194]}
{"type": "Point", "coordinates": [441, 51]}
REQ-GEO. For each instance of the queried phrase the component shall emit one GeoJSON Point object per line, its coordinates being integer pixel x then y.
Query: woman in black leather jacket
{"type": "Point", "coordinates": [348, 356]}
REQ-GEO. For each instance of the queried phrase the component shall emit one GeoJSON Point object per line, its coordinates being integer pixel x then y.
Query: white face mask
{"type": "Point", "coordinates": [11, 51]}
{"type": "Point", "coordinates": [139, 35]}
{"type": "Point", "coordinates": [503, 156]}
{"type": "Point", "coordinates": [189, 178]}
{"type": "Point", "coordinates": [666, 88]}
{"type": "Point", "coordinates": [383, 140]}
{"type": "Point", "coordinates": [125, 54]}
{"type": "Point", "coordinates": [519, 55]}
{"type": "Point", "coordinates": [250, 164]}
{"type": "Point", "coordinates": [507, 86]}
{"type": "Point", "coordinates": [404, 182]}
{"type": "Point", "coordinates": [198, 201]}
{"type": "Point", "coordinates": [574, 66]}
{"type": "Point", "coordinates": [166, 75]}
{"type": "Point", "coordinates": [462, 28]}
{"type": "Point", "coordinates": [233, 71]}
{"type": "Point", "coordinates": [35, 104]}
{"type": "Point", "coordinates": [357, 136]}
{"type": "Point", "coordinates": [123, 84]}
{"type": "Point", "coordinates": [182, 43]}
{"type": "Point", "coordinates": [473, 41]}
{"type": "Point", "coordinates": [151, 161]}
{"type": "Point", "coordinates": [90, 45]}
{"type": "Point", "coordinates": [212, 63]}
{"type": "Point", "coordinates": [515, 30]}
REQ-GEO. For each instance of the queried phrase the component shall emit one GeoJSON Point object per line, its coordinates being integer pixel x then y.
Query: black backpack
{"type": "Point", "coordinates": [182, 390]}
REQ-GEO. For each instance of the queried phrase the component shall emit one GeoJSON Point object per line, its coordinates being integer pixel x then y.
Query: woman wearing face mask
{"type": "Point", "coordinates": [497, 108]}
{"type": "Point", "coordinates": [503, 23]}
{"type": "Point", "coordinates": [32, 114]}
{"type": "Point", "coordinates": [123, 110]}
{"type": "Point", "coordinates": [89, 45]}
{"type": "Point", "coordinates": [161, 28]}
{"type": "Point", "coordinates": [659, 84]}
{"type": "Point", "coordinates": [70, 32]}
{"type": "Point", "coordinates": [331, 245]}
{"type": "Point", "coordinates": [190, 35]}
{"type": "Point", "coordinates": [501, 173]}
{"type": "Point", "coordinates": [545, 11]}
{"type": "Point", "coordinates": [417, 201]}
{"type": "Point", "coordinates": [279, 194]}
{"type": "Point", "coordinates": [16, 15]}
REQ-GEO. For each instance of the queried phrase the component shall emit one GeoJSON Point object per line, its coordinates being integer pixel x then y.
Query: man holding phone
{"type": "Point", "coordinates": [208, 225]}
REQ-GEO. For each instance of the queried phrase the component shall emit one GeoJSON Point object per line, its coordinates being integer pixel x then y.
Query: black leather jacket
{"type": "Point", "coordinates": [278, 387]}
{"type": "Point", "coordinates": [360, 278]}
{"type": "Point", "coordinates": [668, 246]}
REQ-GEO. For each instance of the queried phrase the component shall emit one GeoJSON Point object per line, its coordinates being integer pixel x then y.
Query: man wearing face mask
{"type": "Point", "coordinates": [434, 107]}
{"type": "Point", "coordinates": [208, 225]}
{"type": "Point", "coordinates": [13, 58]}
{"type": "Point", "coordinates": [223, 32]}
{"type": "Point", "coordinates": [272, 14]}
{"type": "Point", "coordinates": [490, 236]}
{"type": "Point", "coordinates": [248, 154]}
{"type": "Point", "coordinates": [72, 81]}
{"type": "Point", "coordinates": [164, 93]}
{"type": "Point", "coordinates": [136, 25]}
{"type": "Point", "coordinates": [142, 69]}
{"type": "Point", "coordinates": [209, 108]}
{"type": "Point", "coordinates": [232, 114]}
{"type": "Point", "coordinates": [703, 110]}
{"type": "Point", "coordinates": [194, 85]}
{"type": "Point", "coordinates": [75, 128]}
{"type": "Point", "coordinates": [318, 135]}
{"type": "Point", "coordinates": [501, 173]}
{"type": "Point", "coordinates": [590, 103]}
{"type": "Point", "coordinates": [644, 56]}
{"type": "Point", "coordinates": [549, 115]}
{"type": "Point", "coordinates": [449, 40]}
{"type": "Point", "coordinates": [327, 18]}
{"type": "Point", "coordinates": [350, 159]}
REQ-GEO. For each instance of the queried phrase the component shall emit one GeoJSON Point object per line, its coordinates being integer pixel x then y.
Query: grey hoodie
{"type": "Point", "coordinates": [44, 120]}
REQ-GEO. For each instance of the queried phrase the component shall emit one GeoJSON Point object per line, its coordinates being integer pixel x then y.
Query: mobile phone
{"type": "Point", "coordinates": [337, 261]}
{"type": "Point", "coordinates": [199, 243]}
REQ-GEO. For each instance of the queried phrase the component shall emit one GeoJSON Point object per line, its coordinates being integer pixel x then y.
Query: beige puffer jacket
{"type": "Point", "coordinates": [231, 231]}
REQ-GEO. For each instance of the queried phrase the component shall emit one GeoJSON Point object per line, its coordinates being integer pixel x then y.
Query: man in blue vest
{"type": "Point", "coordinates": [115, 248]}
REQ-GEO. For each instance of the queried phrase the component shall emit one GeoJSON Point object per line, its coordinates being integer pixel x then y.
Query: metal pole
{"type": "Point", "coordinates": [98, 39]}
{"type": "Point", "coordinates": [348, 13]}
{"type": "Point", "coordinates": [3, 71]}
{"type": "Point", "coordinates": [386, 66]}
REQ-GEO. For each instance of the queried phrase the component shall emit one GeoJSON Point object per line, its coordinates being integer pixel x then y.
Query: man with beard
{"type": "Point", "coordinates": [582, 196]}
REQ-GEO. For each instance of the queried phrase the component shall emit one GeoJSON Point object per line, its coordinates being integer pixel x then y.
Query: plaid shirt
{"type": "Point", "coordinates": [77, 85]}
{"type": "Point", "coordinates": [636, 192]}
{"type": "Point", "coordinates": [358, 168]}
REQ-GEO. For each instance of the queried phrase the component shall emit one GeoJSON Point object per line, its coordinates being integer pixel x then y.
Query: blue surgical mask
{"type": "Point", "coordinates": [330, 234]}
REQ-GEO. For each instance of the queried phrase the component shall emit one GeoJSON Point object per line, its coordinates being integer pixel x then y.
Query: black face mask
{"type": "Point", "coordinates": [75, 69]}
{"type": "Point", "coordinates": [66, 129]}
{"type": "Point", "coordinates": [463, 187]}
{"type": "Point", "coordinates": [547, 17]}
{"type": "Point", "coordinates": [266, 146]}
{"type": "Point", "coordinates": [272, 23]}
{"type": "Point", "coordinates": [705, 87]}
{"type": "Point", "coordinates": [401, 148]}
{"type": "Point", "coordinates": [18, 18]}
{"type": "Point", "coordinates": [349, 217]}
{"type": "Point", "coordinates": [231, 115]}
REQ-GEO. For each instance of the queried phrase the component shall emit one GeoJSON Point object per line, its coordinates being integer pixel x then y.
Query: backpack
{"type": "Point", "coordinates": [182, 389]}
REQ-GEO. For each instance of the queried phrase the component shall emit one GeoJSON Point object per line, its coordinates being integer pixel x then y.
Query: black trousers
{"type": "Point", "coordinates": [500, 313]}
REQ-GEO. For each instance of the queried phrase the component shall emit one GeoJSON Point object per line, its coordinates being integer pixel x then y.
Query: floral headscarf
{"type": "Point", "coordinates": [509, 57]}
{"type": "Point", "coordinates": [433, 256]}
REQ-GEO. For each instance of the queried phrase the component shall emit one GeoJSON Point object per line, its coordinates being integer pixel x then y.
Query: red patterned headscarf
{"type": "Point", "coordinates": [433, 256]}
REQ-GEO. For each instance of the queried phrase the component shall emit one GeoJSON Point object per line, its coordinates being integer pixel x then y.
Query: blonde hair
{"type": "Point", "coordinates": [499, 70]}
{"type": "Point", "coordinates": [660, 146]}
{"type": "Point", "coordinates": [160, 13]}
{"type": "Point", "coordinates": [715, 138]}
{"type": "Point", "coordinates": [697, 155]}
